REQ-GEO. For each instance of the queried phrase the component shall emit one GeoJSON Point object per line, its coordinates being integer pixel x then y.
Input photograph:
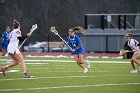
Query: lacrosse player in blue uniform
{"type": "Point", "coordinates": [78, 51]}
{"type": "Point", "coordinates": [5, 40]}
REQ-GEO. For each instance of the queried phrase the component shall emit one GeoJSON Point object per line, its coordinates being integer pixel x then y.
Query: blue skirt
{"type": "Point", "coordinates": [79, 51]}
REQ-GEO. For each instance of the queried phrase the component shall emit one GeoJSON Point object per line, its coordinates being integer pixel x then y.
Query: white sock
{"type": "Point", "coordinates": [7, 66]}
{"type": "Point", "coordinates": [24, 72]}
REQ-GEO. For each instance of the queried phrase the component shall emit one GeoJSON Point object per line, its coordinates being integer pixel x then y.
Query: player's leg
{"type": "Point", "coordinates": [19, 57]}
{"type": "Point", "coordinates": [87, 63]}
{"type": "Point", "coordinates": [133, 64]}
{"type": "Point", "coordinates": [135, 57]}
{"type": "Point", "coordinates": [76, 57]}
{"type": "Point", "coordinates": [11, 64]}
{"type": "Point", "coordinates": [81, 60]}
{"type": "Point", "coordinates": [14, 62]}
{"type": "Point", "coordinates": [135, 61]}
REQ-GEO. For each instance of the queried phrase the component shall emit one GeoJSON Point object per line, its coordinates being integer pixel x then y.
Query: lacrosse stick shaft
{"type": "Point", "coordinates": [64, 41]}
{"type": "Point", "coordinates": [22, 43]}
{"type": "Point", "coordinates": [130, 51]}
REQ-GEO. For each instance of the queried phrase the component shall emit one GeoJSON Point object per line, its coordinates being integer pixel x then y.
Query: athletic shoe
{"type": "Point", "coordinates": [26, 75]}
{"type": "Point", "coordinates": [85, 70]}
{"type": "Point", "coordinates": [3, 70]}
{"type": "Point", "coordinates": [134, 71]}
{"type": "Point", "coordinates": [88, 64]}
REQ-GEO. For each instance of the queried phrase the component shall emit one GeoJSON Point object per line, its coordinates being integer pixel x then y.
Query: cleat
{"type": "Point", "coordinates": [134, 71]}
{"type": "Point", "coordinates": [26, 75]}
{"type": "Point", "coordinates": [3, 70]}
{"type": "Point", "coordinates": [85, 70]}
{"type": "Point", "coordinates": [88, 64]}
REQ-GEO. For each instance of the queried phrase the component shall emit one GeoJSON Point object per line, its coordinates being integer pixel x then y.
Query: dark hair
{"type": "Point", "coordinates": [16, 24]}
{"type": "Point", "coordinates": [78, 29]}
{"type": "Point", "coordinates": [129, 34]}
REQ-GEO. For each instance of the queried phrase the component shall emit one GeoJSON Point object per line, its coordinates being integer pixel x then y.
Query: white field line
{"type": "Point", "coordinates": [36, 63]}
{"type": "Point", "coordinates": [70, 61]}
{"type": "Point", "coordinates": [67, 71]}
{"type": "Point", "coordinates": [55, 77]}
{"type": "Point", "coordinates": [39, 68]}
{"type": "Point", "coordinates": [74, 86]}
{"type": "Point", "coordinates": [11, 71]}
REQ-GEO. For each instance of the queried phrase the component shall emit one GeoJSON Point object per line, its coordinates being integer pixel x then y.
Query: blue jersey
{"type": "Point", "coordinates": [75, 43]}
{"type": "Point", "coordinates": [0, 43]}
{"type": "Point", "coordinates": [5, 38]}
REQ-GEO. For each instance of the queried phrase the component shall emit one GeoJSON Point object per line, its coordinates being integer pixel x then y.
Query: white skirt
{"type": "Point", "coordinates": [13, 49]}
{"type": "Point", "coordinates": [137, 52]}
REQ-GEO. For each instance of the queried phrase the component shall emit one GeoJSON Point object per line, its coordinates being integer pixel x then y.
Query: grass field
{"type": "Point", "coordinates": [62, 75]}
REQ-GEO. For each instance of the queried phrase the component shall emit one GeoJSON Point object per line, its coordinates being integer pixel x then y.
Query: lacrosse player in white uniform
{"type": "Point", "coordinates": [135, 46]}
{"type": "Point", "coordinates": [13, 50]}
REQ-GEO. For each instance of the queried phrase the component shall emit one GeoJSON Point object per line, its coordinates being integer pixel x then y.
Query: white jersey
{"type": "Point", "coordinates": [13, 44]}
{"type": "Point", "coordinates": [133, 44]}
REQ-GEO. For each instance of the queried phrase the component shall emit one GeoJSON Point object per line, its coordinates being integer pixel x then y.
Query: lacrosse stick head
{"type": "Point", "coordinates": [53, 30]}
{"type": "Point", "coordinates": [122, 52]}
{"type": "Point", "coordinates": [34, 27]}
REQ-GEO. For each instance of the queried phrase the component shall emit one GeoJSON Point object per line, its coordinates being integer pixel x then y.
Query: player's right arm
{"type": "Point", "coordinates": [22, 38]}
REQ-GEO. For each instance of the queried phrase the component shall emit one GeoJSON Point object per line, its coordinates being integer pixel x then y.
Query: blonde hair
{"type": "Point", "coordinates": [78, 29]}
{"type": "Point", "coordinates": [16, 24]}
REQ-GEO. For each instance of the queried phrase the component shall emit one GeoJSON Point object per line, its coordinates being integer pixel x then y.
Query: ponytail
{"type": "Point", "coordinates": [78, 29]}
{"type": "Point", "coordinates": [16, 24]}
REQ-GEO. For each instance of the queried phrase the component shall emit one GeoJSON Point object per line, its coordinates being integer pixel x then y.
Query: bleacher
{"type": "Point", "coordinates": [105, 32]}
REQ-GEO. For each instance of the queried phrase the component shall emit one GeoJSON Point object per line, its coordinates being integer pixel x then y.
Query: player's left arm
{"type": "Point", "coordinates": [136, 43]}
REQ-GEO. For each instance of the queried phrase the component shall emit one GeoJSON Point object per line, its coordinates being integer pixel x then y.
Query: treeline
{"type": "Point", "coordinates": [60, 13]}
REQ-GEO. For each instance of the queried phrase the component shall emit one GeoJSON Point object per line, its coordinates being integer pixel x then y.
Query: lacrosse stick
{"type": "Point", "coordinates": [53, 30]}
{"type": "Point", "coordinates": [34, 27]}
{"type": "Point", "coordinates": [122, 52]}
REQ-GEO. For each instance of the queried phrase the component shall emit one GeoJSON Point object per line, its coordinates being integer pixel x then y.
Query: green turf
{"type": "Point", "coordinates": [67, 77]}
{"type": "Point", "coordinates": [46, 58]}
